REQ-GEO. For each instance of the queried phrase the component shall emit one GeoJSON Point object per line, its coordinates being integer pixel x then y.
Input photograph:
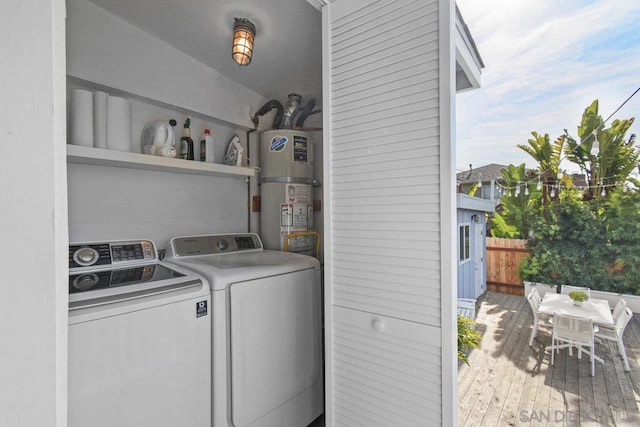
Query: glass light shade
{"type": "Point", "coordinates": [243, 34]}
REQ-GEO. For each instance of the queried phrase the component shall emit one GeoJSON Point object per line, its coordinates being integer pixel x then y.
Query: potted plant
{"type": "Point", "coordinates": [578, 297]}
{"type": "Point", "coordinates": [468, 337]}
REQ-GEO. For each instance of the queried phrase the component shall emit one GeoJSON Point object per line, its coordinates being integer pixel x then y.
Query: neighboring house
{"type": "Point", "coordinates": [579, 180]}
{"type": "Point", "coordinates": [472, 245]}
{"type": "Point", "coordinates": [488, 176]}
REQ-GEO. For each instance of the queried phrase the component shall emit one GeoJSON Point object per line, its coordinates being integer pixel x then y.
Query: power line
{"type": "Point", "coordinates": [594, 133]}
{"type": "Point", "coordinates": [622, 105]}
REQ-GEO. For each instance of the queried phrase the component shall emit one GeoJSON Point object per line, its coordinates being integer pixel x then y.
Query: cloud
{"type": "Point", "coordinates": [545, 62]}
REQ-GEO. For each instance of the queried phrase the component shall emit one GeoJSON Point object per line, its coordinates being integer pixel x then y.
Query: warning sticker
{"type": "Point", "coordinates": [298, 193]}
{"type": "Point", "coordinates": [286, 215]}
{"type": "Point", "coordinates": [300, 149]}
{"type": "Point", "coordinates": [296, 215]}
{"type": "Point", "coordinates": [300, 216]}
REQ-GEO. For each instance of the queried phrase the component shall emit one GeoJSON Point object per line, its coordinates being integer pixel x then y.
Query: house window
{"type": "Point", "coordinates": [463, 246]}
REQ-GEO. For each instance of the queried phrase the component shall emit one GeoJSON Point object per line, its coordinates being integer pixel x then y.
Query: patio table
{"type": "Point", "coordinates": [595, 309]}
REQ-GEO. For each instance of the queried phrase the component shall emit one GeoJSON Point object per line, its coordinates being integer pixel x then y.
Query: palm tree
{"type": "Point", "coordinates": [518, 204]}
{"type": "Point", "coordinates": [602, 153]}
{"type": "Point", "coordinates": [548, 156]}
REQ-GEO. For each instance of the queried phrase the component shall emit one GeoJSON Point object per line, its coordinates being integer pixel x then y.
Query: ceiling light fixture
{"type": "Point", "coordinates": [243, 33]}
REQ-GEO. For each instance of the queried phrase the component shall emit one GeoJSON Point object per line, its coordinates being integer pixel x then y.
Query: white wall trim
{"type": "Point", "coordinates": [33, 221]}
{"type": "Point", "coordinates": [464, 201]}
{"type": "Point", "coordinates": [326, 197]}
{"type": "Point", "coordinates": [448, 217]}
{"type": "Point", "coordinates": [60, 215]}
{"type": "Point", "coordinates": [467, 56]}
{"type": "Point", "coordinates": [319, 4]}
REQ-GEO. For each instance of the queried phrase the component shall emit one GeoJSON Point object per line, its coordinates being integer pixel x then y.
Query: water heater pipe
{"type": "Point", "coordinates": [277, 119]}
{"type": "Point", "coordinates": [292, 108]}
{"type": "Point", "coordinates": [305, 112]}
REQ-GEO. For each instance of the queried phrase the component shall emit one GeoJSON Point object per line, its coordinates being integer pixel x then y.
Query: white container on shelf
{"type": "Point", "coordinates": [100, 103]}
{"type": "Point", "coordinates": [118, 124]}
{"type": "Point", "coordinates": [81, 117]}
{"type": "Point", "coordinates": [206, 148]}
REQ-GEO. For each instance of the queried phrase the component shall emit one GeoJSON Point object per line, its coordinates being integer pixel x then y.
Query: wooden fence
{"type": "Point", "coordinates": [503, 259]}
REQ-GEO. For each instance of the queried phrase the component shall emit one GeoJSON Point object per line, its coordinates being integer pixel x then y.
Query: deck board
{"type": "Point", "coordinates": [509, 383]}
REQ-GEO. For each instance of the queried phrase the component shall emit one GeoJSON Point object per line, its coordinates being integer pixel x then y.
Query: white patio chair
{"type": "Point", "coordinates": [538, 318]}
{"type": "Point", "coordinates": [536, 295]}
{"type": "Point", "coordinates": [575, 332]}
{"type": "Point", "coordinates": [618, 309]}
{"type": "Point", "coordinates": [467, 307]}
{"type": "Point", "coordinates": [565, 289]}
{"type": "Point", "coordinates": [617, 332]}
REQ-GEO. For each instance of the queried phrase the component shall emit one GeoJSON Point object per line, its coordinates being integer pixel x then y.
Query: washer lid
{"type": "Point", "coordinates": [107, 286]}
{"type": "Point", "coordinates": [109, 279]}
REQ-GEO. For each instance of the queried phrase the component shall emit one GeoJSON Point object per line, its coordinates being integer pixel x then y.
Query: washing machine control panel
{"type": "Point", "coordinates": [214, 244]}
{"type": "Point", "coordinates": [110, 253]}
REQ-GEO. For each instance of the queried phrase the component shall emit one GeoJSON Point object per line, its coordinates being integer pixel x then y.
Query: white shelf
{"type": "Point", "coordinates": [100, 157]}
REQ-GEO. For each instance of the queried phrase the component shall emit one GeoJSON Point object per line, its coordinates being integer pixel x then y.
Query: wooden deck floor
{"type": "Point", "coordinates": [509, 383]}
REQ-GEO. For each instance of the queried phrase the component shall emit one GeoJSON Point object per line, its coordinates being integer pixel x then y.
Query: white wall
{"type": "Point", "coordinates": [162, 83]}
{"type": "Point", "coordinates": [33, 291]}
{"type": "Point", "coordinates": [107, 203]}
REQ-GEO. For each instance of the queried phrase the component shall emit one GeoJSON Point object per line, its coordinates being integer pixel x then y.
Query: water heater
{"type": "Point", "coordinates": [286, 190]}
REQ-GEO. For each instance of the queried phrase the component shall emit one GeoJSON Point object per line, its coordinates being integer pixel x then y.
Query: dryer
{"type": "Point", "coordinates": [266, 330]}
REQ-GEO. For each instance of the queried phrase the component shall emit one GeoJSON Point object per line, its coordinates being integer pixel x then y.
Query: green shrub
{"type": "Point", "coordinates": [588, 243]}
{"type": "Point", "coordinates": [468, 337]}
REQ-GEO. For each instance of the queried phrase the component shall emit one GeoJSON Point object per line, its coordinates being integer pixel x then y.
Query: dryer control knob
{"type": "Point", "coordinates": [222, 244]}
{"type": "Point", "coordinates": [85, 256]}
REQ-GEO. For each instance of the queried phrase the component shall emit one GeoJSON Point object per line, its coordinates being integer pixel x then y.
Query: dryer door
{"type": "Point", "coordinates": [275, 343]}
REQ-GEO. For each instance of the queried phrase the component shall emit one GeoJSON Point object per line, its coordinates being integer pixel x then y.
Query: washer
{"type": "Point", "coordinates": [139, 339]}
{"type": "Point", "coordinates": [267, 332]}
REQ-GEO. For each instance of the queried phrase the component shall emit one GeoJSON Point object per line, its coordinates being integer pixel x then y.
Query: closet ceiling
{"type": "Point", "coordinates": [288, 44]}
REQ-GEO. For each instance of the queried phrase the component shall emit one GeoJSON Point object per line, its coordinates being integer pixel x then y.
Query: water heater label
{"type": "Point", "coordinates": [298, 193]}
{"type": "Point", "coordinates": [300, 151]}
{"type": "Point", "coordinates": [278, 143]}
{"type": "Point", "coordinates": [300, 216]}
{"type": "Point", "coordinates": [286, 215]}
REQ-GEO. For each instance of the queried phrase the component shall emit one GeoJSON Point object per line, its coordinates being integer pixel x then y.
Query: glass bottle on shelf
{"type": "Point", "coordinates": [186, 143]}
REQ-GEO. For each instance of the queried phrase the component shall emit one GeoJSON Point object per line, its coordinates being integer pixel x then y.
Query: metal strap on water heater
{"type": "Point", "coordinates": [286, 180]}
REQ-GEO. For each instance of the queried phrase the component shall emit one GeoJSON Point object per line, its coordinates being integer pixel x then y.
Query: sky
{"type": "Point", "coordinates": [545, 62]}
